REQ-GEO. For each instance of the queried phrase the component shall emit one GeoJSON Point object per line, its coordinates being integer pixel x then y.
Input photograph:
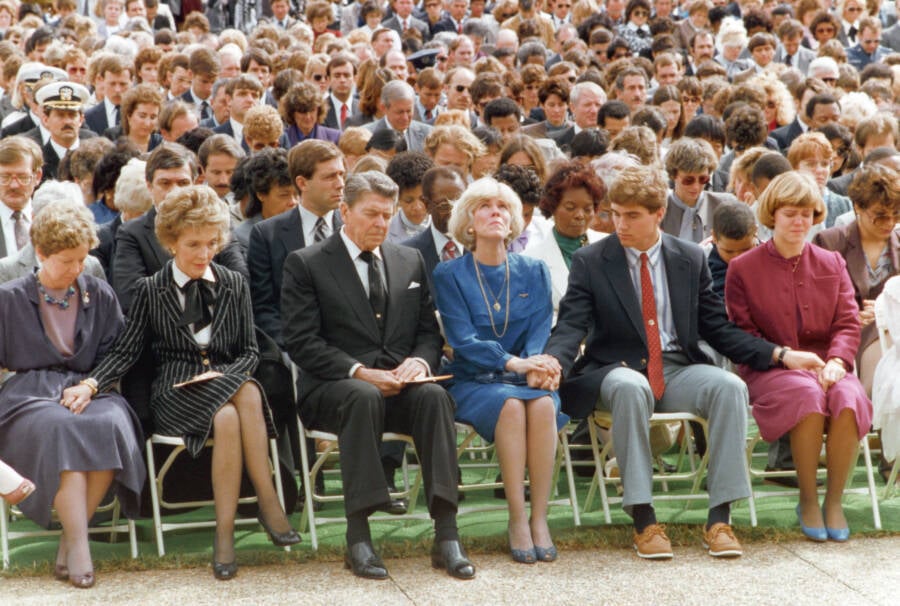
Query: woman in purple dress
{"type": "Point", "coordinates": [56, 324]}
{"type": "Point", "coordinates": [799, 295]}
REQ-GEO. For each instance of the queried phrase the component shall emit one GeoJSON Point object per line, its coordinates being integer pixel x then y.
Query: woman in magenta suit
{"type": "Point", "coordinates": [800, 296]}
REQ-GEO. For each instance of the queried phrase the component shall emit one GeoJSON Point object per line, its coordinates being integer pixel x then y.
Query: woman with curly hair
{"type": "Point", "coordinates": [302, 108]}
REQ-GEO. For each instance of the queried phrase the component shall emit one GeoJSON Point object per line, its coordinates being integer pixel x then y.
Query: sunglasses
{"type": "Point", "coordinates": [640, 13]}
{"type": "Point", "coordinates": [854, 10]}
{"type": "Point", "coordinates": [824, 30]}
{"type": "Point", "coordinates": [318, 77]}
{"type": "Point", "coordinates": [460, 88]}
{"type": "Point", "coordinates": [883, 220]}
{"type": "Point", "coordinates": [691, 179]}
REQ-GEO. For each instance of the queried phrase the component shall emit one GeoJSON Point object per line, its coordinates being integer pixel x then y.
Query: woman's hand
{"type": "Point", "coordinates": [76, 398]}
{"type": "Point", "coordinates": [867, 313]}
{"type": "Point", "coordinates": [540, 363]}
{"type": "Point", "coordinates": [832, 372]}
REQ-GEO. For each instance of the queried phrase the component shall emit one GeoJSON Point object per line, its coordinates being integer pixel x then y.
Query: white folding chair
{"type": "Point", "coordinates": [311, 471]}
{"type": "Point", "coordinates": [115, 526]}
{"type": "Point", "coordinates": [694, 475]}
{"type": "Point", "coordinates": [157, 479]}
{"type": "Point", "coordinates": [886, 342]}
{"type": "Point", "coordinates": [760, 474]}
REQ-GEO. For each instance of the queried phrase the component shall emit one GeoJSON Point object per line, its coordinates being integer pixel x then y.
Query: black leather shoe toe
{"type": "Point", "coordinates": [364, 562]}
{"type": "Point", "coordinates": [451, 556]}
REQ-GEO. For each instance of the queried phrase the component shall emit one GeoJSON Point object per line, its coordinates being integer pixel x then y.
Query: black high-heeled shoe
{"type": "Point", "coordinates": [224, 571]}
{"type": "Point", "coordinates": [279, 539]}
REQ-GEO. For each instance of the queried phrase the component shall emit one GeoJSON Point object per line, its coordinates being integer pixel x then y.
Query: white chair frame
{"type": "Point", "coordinates": [886, 342]}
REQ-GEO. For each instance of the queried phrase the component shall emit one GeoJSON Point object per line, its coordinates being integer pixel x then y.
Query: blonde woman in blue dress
{"type": "Point", "coordinates": [497, 312]}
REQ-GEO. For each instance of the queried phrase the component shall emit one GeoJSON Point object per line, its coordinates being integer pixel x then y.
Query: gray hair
{"type": "Point", "coordinates": [583, 87]}
{"type": "Point", "coordinates": [132, 195]}
{"type": "Point", "coordinates": [396, 90]}
{"type": "Point", "coordinates": [486, 188]}
{"type": "Point", "coordinates": [822, 63]}
{"type": "Point", "coordinates": [56, 190]}
{"type": "Point", "coordinates": [370, 181]}
{"type": "Point", "coordinates": [609, 165]}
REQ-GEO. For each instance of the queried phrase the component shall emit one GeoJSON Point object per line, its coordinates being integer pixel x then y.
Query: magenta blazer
{"type": "Point", "coordinates": [810, 307]}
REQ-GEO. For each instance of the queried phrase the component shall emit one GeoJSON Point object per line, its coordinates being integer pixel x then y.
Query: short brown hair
{"type": "Point", "coordinates": [142, 93]}
{"type": "Point", "coordinates": [220, 144]}
{"type": "Point", "coordinates": [875, 185]}
{"type": "Point", "coordinates": [690, 155]}
{"type": "Point", "coordinates": [643, 186]}
{"type": "Point", "coordinates": [18, 148]}
{"type": "Point", "coordinates": [151, 54]}
{"type": "Point", "coordinates": [306, 155]}
{"type": "Point", "coordinates": [304, 97]}
{"type": "Point", "coordinates": [790, 189]}
{"type": "Point", "coordinates": [204, 61]}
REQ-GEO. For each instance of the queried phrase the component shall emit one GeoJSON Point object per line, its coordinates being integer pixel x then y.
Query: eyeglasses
{"type": "Point", "coordinates": [640, 13]}
{"type": "Point", "coordinates": [20, 178]}
{"type": "Point", "coordinates": [691, 179]}
{"type": "Point", "coordinates": [875, 41]}
{"type": "Point", "coordinates": [853, 10]}
{"type": "Point", "coordinates": [883, 220]}
{"type": "Point", "coordinates": [824, 30]}
{"type": "Point", "coordinates": [461, 88]}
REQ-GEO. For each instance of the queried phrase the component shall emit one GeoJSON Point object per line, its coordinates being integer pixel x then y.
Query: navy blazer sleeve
{"type": "Point", "coordinates": [263, 291]}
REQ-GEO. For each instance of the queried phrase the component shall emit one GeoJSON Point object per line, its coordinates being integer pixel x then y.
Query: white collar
{"type": "Point", "coordinates": [353, 249]}
{"type": "Point", "coordinates": [182, 278]}
{"type": "Point", "coordinates": [7, 212]}
{"type": "Point", "coordinates": [60, 150]}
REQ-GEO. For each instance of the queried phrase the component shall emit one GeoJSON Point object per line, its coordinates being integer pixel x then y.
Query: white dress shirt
{"type": "Point", "coordinates": [9, 228]}
{"type": "Point", "coordinates": [308, 225]}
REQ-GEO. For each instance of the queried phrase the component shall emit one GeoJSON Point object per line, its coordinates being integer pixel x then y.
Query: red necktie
{"type": "Point", "coordinates": [449, 253]}
{"type": "Point", "coordinates": [651, 327]}
{"type": "Point", "coordinates": [459, 29]}
{"type": "Point", "coordinates": [343, 114]}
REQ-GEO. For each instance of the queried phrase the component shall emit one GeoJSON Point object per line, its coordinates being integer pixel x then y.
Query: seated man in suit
{"type": "Point", "coordinates": [360, 322]}
{"type": "Point", "coordinates": [398, 98]}
{"type": "Point", "coordinates": [317, 169]}
{"type": "Point", "coordinates": [342, 103]}
{"type": "Point", "coordinates": [244, 92]}
{"type": "Point", "coordinates": [204, 69]}
{"type": "Point", "coordinates": [114, 73]}
{"type": "Point", "coordinates": [63, 114]}
{"type": "Point", "coordinates": [644, 300]}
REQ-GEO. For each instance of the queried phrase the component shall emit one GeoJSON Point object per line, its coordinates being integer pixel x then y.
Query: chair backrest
{"type": "Point", "coordinates": [881, 324]}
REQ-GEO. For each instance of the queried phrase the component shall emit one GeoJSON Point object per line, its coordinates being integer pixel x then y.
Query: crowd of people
{"type": "Point", "coordinates": [353, 187]}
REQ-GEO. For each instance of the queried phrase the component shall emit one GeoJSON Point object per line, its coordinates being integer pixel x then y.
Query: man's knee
{"type": "Point", "coordinates": [365, 399]}
{"type": "Point", "coordinates": [627, 391]}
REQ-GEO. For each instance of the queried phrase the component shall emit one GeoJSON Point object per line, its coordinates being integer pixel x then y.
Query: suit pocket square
{"type": "Point", "coordinates": [413, 285]}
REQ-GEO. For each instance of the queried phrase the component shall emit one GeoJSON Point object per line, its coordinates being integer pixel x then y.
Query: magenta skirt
{"type": "Point", "coordinates": [782, 398]}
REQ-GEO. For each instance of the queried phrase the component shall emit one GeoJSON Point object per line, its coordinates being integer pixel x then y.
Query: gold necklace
{"type": "Point", "coordinates": [496, 305]}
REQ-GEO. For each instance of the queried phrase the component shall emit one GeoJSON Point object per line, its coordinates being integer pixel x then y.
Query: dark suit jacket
{"type": "Point", "coordinates": [785, 135]}
{"type": "Point", "coordinates": [19, 127]}
{"type": "Point", "coordinates": [414, 23]}
{"type": "Point", "coordinates": [424, 243]}
{"type": "Point", "coordinates": [891, 37]}
{"type": "Point", "coordinates": [602, 305]}
{"type": "Point", "coordinates": [444, 24]}
{"type": "Point", "coordinates": [840, 185]}
{"type": "Point", "coordinates": [417, 131]}
{"type": "Point", "coordinates": [51, 160]}
{"type": "Point", "coordinates": [540, 130]}
{"type": "Point", "coordinates": [95, 118]}
{"type": "Point", "coordinates": [329, 325]}
{"type": "Point", "coordinates": [333, 119]}
{"type": "Point", "coordinates": [225, 129]}
{"type": "Point", "coordinates": [271, 241]}
{"type": "Point", "coordinates": [106, 249]}
{"type": "Point", "coordinates": [139, 255]}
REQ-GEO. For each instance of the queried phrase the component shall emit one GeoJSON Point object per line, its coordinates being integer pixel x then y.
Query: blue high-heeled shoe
{"type": "Point", "coordinates": [546, 554]}
{"type": "Point", "coordinates": [817, 534]}
{"type": "Point", "coordinates": [838, 535]}
{"type": "Point", "coordinates": [523, 556]}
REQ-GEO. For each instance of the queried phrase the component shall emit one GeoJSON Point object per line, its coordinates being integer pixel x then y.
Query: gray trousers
{"type": "Point", "coordinates": [718, 396]}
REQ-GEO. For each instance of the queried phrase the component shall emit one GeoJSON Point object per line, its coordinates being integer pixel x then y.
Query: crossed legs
{"type": "Point", "coordinates": [241, 421]}
{"type": "Point", "coordinates": [526, 436]}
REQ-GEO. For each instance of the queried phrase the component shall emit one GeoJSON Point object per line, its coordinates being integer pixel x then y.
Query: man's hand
{"type": "Point", "coordinates": [384, 380]}
{"type": "Point", "coordinates": [410, 369]}
{"type": "Point", "coordinates": [541, 363]}
{"type": "Point", "coordinates": [802, 360]}
{"type": "Point", "coordinates": [546, 380]}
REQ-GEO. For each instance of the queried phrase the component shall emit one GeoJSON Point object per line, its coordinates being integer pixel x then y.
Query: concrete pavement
{"type": "Point", "coordinates": [863, 571]}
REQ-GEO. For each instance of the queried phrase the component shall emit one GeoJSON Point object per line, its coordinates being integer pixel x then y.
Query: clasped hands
{"type": "Point", "coordinates": [828, 373]}
{"type": "Point", "coordinates": [541, 371]}
{"type": "Point", "coordinates": [76, 398]}
{"type": "Point", "coordinates": [392, 382]}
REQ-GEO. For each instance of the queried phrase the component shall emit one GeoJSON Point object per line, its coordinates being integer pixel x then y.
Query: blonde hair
{"type": "Point", "coordinates": [459, 137]}
{"type": "Point", "coordinates": [195, 206]}
{"type": "Point", "coordinates": [263, 122]}
{"type": "Point", "coordinates": [790, 189]}
{"type": "Point", "coordinates": [62, 225]}
{"type": "Point", "coordinates": [353, 140]}
{"type": "Point", "coordinates": [644, 186]}
{"type": "Point", "coordinates": [486, 188]}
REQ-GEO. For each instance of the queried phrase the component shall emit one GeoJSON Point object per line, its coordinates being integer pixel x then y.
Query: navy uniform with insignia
{"type": "Point", "coordinates": [63, 115]}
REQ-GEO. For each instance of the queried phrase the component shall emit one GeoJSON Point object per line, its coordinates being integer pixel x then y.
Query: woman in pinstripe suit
{"type": "Point", "coordinates": [196, 317]}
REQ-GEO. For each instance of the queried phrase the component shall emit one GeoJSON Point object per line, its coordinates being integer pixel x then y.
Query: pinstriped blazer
{"type": "Point", "coordinates": [154, 320]}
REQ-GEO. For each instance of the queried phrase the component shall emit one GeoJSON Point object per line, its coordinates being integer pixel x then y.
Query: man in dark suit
{"type": "Point", "coordinates": [398, 98]}
{"type": "Point", "coordinates": [204, 68]}
{"type": "Point", "coordinates": [30, 77]}
{"type": "Point", "coordinates": [644, 300]}
{"type": "Point", "coordinates": [441, 187]}
{"type": "Point", "coordinates": [317, 169]}
{"type": "Point", "coordinates": [803, 92]}
{"type": "Point", "coordinates": [61, 104]}
{"type": "Point", "coordinates": [403, 19]}
{"type": "Point", "coordinates": [138, 253]}
{"type": "Point", "coordinates": [245, 91]}
{"type": "Point", "coordinates": [115, 73]}
{"type": "Point", "coordinates": [342, 103]}
{"type": "Point", "coordinates": [359, 321]}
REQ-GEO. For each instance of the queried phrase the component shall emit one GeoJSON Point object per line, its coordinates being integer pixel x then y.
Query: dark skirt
{"type": "Point", "coordinates": [40, 439]}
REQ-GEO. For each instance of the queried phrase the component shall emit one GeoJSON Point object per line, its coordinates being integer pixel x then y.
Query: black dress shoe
{"type": "Point", "coordinates": [279, 539]}
{"type": "Point", "coordinates": [395, 507]}
{"type": "Point", "coordinates": [364, 562]}
{"type": "Point", "coordinates": [451, 556]}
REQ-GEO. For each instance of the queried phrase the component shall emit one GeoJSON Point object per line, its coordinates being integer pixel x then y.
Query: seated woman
{"type": "Point", "coordinates": [271, 190]}
{"type": "Point", "coordinates": [812, 154]}
{"type": "Point", "coordinates": [871, 247]}
{"type": "Point", "coordinates": [572, 195]}
{"type": "Point", "coordinates": [799, 295]}
{"type": "Point", "coordinates": [496, 313]}
{"type": "Point", "coordinates": [13, 487]}
{"type": "Point", "coordinates": [56, 324]}
{"type": "Point", "coordinates": [195, 315]}
{"type": "Point", "coordinates": [140, 109]}
{"type": "Point", "coordinates": [302, 108]}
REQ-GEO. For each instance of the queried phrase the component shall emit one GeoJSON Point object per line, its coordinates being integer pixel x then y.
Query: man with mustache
{"type": "Point", "coordinates": [63, 115]}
